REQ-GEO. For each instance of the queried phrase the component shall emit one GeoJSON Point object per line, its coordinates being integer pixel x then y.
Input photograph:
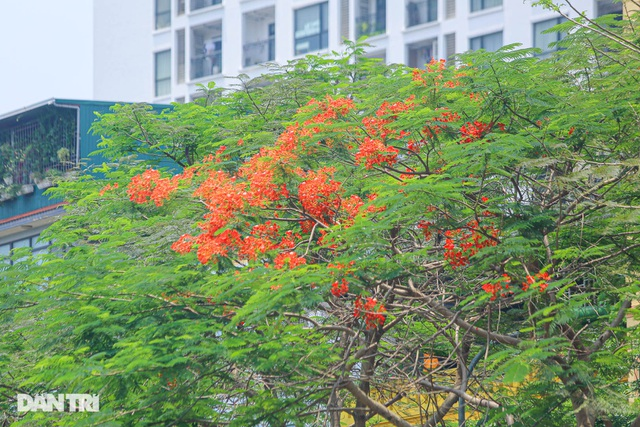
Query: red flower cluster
{"type": "Point", "coordinates": [374, 152]}
{"type": "Point", "coordinates": [496, 288]}
{"type": "Point", "coordinates": [108, 187]}
{"type": "Point", "coordinates": [474, 131]}
{"type": "Point", "coordinates": [387, 109]}
{"type": "Point", "coordinates": [340, 289]}
{"type": "Point", "coordinates": [461, 244]}
{"type": "Point", "coordinates": [290, 258]}
{"type": "Point", "coordinates": [370, 311]}
{"type": "Point", "coordinates": [424, 226]}
{"type": "Point", "coordinates": [330, 109]}
{"type": "Point", "coordinates": [434, 66]}
{"type": "Point", "coordinates": [150, 186]}
{"type": "Point", "coordinates": [541, 279]}
{"type": "Point", "coordinates": [320, 195]}
{"type": "Point", "coordinates": [447, 117]}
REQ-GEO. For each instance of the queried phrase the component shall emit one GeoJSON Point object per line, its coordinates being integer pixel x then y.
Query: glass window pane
{"type": "Point", "coordinates": [22, 243]}
{"type": "Point", "coordinates": [163, 14]}
{"type": "Point", "coordinates": [163, 73]}
{"type": "Point", "coordinates": [493, 42]}
{"type": "Point", "coordinates": [543, 41]}
{"type": "Point", "coordinates": [489, 42]}
{"type": "Point", "coordinates": [484, 4]}
{"type": "Point", "coordinates": [311, 28]}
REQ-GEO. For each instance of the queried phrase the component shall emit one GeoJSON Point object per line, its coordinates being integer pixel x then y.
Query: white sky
{"type": "Point", "coordinates": [46, 51]}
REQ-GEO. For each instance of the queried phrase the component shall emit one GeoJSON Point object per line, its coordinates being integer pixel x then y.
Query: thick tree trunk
{"type": "Point", "coordinates": [585, 415]}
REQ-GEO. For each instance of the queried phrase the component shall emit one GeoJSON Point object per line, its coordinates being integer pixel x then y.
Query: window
{"type": "Point", "coordinates": [450, 46]}
{"type": "Point", "coordinates": [206, 50]}
{"type": "Point", "coordinates": [181, 7]}
{"type": "Point", "coordinates": [422, 53]}
{"type": "Point", "coordinates": [450, 9]}
{"type": "Point", "coordinates": [372, 18]}
{"type": "Point", "coordinates": [477, 5]}
{"type": "Point", "coordinates": [421, 12]}
{"type": "Point", "coordinates": [163, 73]}
{"type": "Point", "coordinates": [181, 56]}
{"type": "Point", "coordinates": [608, 7]}
{"type": "Point", "coordinates": [543, 39]}
{"type": "Point", "coordinates": [489, 42]}
{"type": "Point", "coordinates": [311, 29]}
{"type": "Point", "coordinates": [199, 4]}
{"type": "Point", "coordinates": [163, 14]}
{"type": "Point", "coordinates": [259, 35]}
{"type": "Point", "coordinates": [38, 246]}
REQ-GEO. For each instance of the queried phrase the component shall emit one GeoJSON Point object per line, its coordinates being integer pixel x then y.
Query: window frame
{"type": "Point", "coordinates": [36, 246]}
{"type": "Point", "coordinates": [163, 79]}
{"type": "Point", "coordinates": [559, 35]}
{"type": "Point", "coordinates": [162, 17]}
{"type": "Point", "coordinates": [483, 5]}
{"type": "Point", "coordinates": [483, 37]}
{"type": "Point", "coordinates": [323, 32]}
{"type": "Point", "coordinates": [431, 12]}
{"type": "Point", "coordinates": [431, 43]}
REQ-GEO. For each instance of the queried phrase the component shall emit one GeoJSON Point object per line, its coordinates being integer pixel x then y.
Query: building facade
{"type": "Point", "coordinates": [197, 41]}
{"type": "Point", "coordinates": [39, 144]}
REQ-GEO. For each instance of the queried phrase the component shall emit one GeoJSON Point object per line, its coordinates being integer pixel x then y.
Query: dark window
{"type": "Point", "coordinates": [181, 56]}
{"type": "Point", "coordinates": [372, 18]}
{"type": "Point", "coordinates": [163, 14]}
{"type": "Point", "coordinates": [543, 39]}
{"type": "Point", "coordinates": [163, 73]}
{"type": "Point", "coordinates": [181, 7]}
{"type": "Point", "coordinates": [422, 53]}
{"type": "Point", "coordinates": [421, 12]}
{"type": "Point", "coordinates": [484, 4]}
{"type": "Point", "coordinates": [608, 7]}
{"type": "Point", "coordinates": [489, 42]}
{"type": "Point", "coordinates": [311, 29]}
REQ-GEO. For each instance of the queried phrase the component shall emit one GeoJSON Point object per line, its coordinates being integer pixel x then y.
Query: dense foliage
{"type": "Point", "coordinates": [346, 243]}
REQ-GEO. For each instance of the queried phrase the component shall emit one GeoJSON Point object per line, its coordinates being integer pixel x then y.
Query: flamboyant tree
{"type": "Point", "coordinates": [350, 244]}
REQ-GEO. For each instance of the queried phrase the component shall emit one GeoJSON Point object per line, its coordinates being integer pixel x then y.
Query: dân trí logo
{"type": "Point", "coordinates": [59, 402]}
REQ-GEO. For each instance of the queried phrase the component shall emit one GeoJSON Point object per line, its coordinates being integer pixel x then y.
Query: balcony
{"type": "Point", "coordinates": [34, 151]}
{"type": "Point", "coordinates": [206, 65]}
{"type": "Point", "coordinates": [259, 36]}
{"type": "Point", "coordinates": [371, 24]}
{"type": "Point", "coordinates": [421, 12]}
{"type": "Point", "coordinates": [206, 50]}
{"type": "Point", "coordinates": [259, 52]}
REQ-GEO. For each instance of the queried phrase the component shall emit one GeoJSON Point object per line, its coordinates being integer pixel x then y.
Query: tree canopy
{"type": "Point", "coordinates": [342, 242]}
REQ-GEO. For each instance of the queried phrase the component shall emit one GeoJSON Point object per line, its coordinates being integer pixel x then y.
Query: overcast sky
{"type": "Point", "coordinates": [45, 51]}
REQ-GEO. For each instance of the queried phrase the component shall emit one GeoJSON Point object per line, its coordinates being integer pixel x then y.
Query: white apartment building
{"type": "Point", "coordinates": [191, 42]}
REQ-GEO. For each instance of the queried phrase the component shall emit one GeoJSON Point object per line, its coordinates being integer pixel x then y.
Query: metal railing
{"type": "Point", "coordinates": [34, 150]}
{"type": "Point", "coordinates": [259, 52]}
{"type": "Point", "coordinates": [199, 4]}
{"type": "Point", "coordinates": [206, 65]}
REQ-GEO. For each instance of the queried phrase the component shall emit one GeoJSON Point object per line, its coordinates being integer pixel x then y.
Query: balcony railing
{"type": "Point", "coordinates": [199, 4]}
{"type": "Point", "coordinates": [206, 65]}
{"type": "Point", "coordinates": [259, 52]}
{"type": "Point", "coordinates": [35, 150]}
{"type": "Point", "coordinates": [371, 24]}
{"type": "Point", "coordinates": [421, 12]}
